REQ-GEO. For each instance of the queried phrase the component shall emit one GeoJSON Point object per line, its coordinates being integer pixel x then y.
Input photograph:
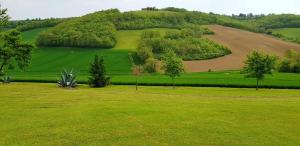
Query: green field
{"type": "Point", "coordinates": [129, 39]}
{"type": "Point", "coordinates": [48, 62]}
{"type": "Point", "coordinates": [43, 114]}
{"type": "Point", "coordinates": [288, 32]}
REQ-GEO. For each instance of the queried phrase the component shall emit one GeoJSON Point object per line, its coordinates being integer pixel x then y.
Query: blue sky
{"type": "Point", "coordinates": [22, 9]}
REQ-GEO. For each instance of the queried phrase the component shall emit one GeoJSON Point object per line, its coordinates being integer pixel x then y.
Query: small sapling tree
{"type": "Point", "coordinates": [259, 64]}
{"type": "Point", "coordinates": [172, 65]}
{"type": "Point", "coordinates": [136, 72]}
{"type": "Point", "coordinates": [98, 76]}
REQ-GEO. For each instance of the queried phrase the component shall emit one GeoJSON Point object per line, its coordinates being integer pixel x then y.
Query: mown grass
{"type": "Point", "coordinates": [288, 32]}
{"type": "Point", "coordinates": [43, 114]}
{"type": "Point", "coordinates": [48, 62]}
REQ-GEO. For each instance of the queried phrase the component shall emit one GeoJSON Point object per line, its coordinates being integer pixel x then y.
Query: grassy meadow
{"type": "Point", "coordinates": [42, 114]}
{"type": "Point", "coordinates": [288, 32]}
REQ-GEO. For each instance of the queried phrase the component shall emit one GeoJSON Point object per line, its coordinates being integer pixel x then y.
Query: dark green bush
{"type": "Point", "coordinates": [285, 66]}
{"type": "Point", "coordinates": [97, 71]}
{"type": "Point", "coordinates": [292, 62]}
{"type": "Point", "coordinates": [296, 68]}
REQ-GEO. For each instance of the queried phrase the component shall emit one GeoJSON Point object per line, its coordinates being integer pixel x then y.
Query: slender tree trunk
{"type": "Point", "coordinates": [257, 84]}
{"type": "Point", "coordinates": [173, 82]}
{"type": "Point", "coordinates": [136, 83]}
{"type": "Point", "coordinates": [1, 68]}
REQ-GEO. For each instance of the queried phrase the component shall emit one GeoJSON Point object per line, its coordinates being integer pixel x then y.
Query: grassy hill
{"type": "Point", "coordinates": [288, 32]}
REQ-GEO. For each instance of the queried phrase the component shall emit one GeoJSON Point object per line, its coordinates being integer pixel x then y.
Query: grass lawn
{"type": "Point", "coordinates": [43, 114]}
{"type": "Point", "coordinates": [288, 32]}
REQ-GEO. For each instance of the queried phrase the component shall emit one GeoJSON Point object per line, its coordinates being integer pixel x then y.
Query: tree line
{"type": "Point", "coordinates": [28, 24]}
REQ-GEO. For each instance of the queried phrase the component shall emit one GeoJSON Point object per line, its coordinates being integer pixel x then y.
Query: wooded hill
{"type": "Point", "coordinates": [98, 29]}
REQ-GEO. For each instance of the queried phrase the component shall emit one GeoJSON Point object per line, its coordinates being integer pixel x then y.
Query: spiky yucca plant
{"type": "Point", "coordinates": [67, 79]}
{"type": "Point", "coordinates": [6, 80]}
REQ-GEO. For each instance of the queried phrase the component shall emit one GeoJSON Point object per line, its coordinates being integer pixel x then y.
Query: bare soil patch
{"type": "Point", "coordinates": [241, 43]}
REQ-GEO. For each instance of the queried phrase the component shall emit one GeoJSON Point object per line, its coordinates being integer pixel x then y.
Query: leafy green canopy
{"type": "Point", "coordinates": [259, 64]}
{"type": "Point", "coordinates": [3, 17]}
{"type": "Point", "coordinates": [172, 65]}
{"type": "Point", "coordinates": [89, 31]}
{"type": "Point", "coordinates": [14, 52]}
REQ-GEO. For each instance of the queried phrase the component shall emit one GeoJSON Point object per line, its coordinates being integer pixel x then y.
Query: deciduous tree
{"type": "Point", "coordinates": [173, 65]}
{"type": "Point", "coordinates": [14, 52]}
{"type": "Point", "coordinates": [259, 64]}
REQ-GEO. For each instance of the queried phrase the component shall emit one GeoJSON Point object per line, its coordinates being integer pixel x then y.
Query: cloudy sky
{"type": "Point", "coordinates": [22, 9]}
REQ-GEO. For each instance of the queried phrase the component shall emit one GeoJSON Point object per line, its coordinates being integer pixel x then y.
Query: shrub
{"type": "Point", "coordinates": [292, 63]}
{"type": "Point", "coordinates": [285, 66]}
{"type": "Point", "coordinates": [151, 65]}
{"type": "Point", "coordinates": [144, 53]}
{"type": "Point", "coordinates": [67, 79]}
{"type": "Point", "coordinates": [97, 73]}
{"type": "Point", "coordinates": [296, 68]}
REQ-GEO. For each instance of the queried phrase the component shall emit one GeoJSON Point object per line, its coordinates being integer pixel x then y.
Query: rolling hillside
{"type": "Point", "coordinates": [288, 32]}
{"type": "Point", "coordinates": [47, 62]}
{"type": "Point", "coordinates": [241, 43]}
